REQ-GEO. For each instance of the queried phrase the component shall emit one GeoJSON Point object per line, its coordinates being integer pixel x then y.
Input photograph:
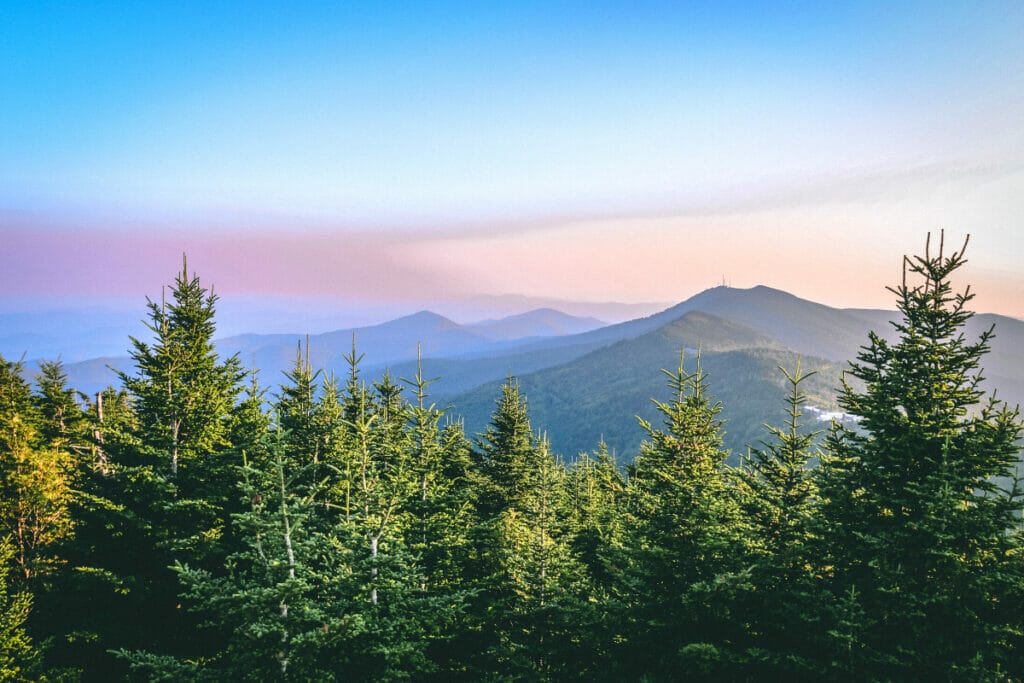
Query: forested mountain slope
{"type": "Point", "coordinates": [600, 394]}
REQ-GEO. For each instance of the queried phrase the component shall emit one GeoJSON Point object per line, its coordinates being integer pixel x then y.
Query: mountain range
{"type": "Point", "coordinates": [586, 380]}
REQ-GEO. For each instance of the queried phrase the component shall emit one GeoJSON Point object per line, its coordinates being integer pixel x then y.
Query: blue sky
{"type": "Point", "coordinates": [474, 130]}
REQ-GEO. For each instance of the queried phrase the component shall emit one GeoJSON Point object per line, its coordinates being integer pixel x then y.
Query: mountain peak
{"type": "Point", "coordinates": [540, 322]}
{"type": "Point", "coordinates": [423, 317]}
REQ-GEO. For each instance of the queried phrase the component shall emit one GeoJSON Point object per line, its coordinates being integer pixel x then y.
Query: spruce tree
{"type": "Point", "coordinates": [269, 610]}
{"type": "Point", "coordinates": [17, 412]}
{"type": "Point", "coordinates": [183, 392]}
{"type": "Point", "coordinates": [35, 480]}
{"type": "Point", "coordinates": [524, 563]}
{"type": "Point", "coordinates": [687, 540]}
{"type": "Point", "coordinates": [596, 525]}
{"type": "Point", "coordinates": [19, 660]}
{"type": "Point", "coordinates": [597, 497]}
{"type": "Point", "coordinates": [439, 507]}
{"type": "Point", "coordinates": [296, 405]}
{"type": "Point", "coordinates": [779, 497]}
{"type": "Point", "coordinates": [504, 452]}
{"type": "Point", "coordinates": [921, 508]}
{"type": "Point", "coordinates": [184, 399]}
{"type": "Point", "coordinates": [168, 476]}
{"type": "Point", "coordinates": [401, 622]}
{"type": "Point", "coordinates": [62, 422]}
{"type": "Point", "coordinates": [37, 500]}
{"type": "Point", "coordinates": [91, 604]}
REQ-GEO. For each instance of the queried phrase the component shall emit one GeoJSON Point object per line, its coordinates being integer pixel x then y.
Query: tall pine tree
{"type": "Point", "coordinates": [687, 542]}
{"type": "Point", "coordinates": [920, 500]}
{"type": "Point", "coordinates": [780, 500]}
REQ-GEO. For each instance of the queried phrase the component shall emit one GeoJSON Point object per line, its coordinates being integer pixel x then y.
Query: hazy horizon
{"type": "Point", "coordinates": [388, 157]}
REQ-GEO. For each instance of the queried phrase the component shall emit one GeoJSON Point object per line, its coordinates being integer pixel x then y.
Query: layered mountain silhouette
{"type": "Point", "coordinates": [586, 381]}
{"type": "Point", "coordinates": [391, 344]}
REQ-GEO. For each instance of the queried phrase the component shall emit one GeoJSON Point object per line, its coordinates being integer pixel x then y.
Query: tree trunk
{"type": "Point", "coordinates": [174, 447]}
{"type": "Point", "coordinates": [373, 570]}
{"type": "Point", "coordinates": [98, 452]}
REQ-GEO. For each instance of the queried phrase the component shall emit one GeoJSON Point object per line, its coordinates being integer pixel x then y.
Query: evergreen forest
{"type": "Point", "coordinates": [200, 523]}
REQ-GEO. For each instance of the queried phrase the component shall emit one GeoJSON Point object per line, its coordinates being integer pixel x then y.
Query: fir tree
{"type": "Point", "coordinates": [596, 525]}
{"type": "Point", "coordinates": [19, 660]}
{"type": "Point", "coordinates": [35, 481]}
{"type": "Point", "coordinates": [524, 561]}
{"type": "Point", "coordinates": [17, 411]}
{"type": "Point", "coordinates": [90, 605]}
{"type": "Point", "coordinates": [687, 544]}
{"type": "Point", "coordinates": [269, 609]}
{"type": "Point", "coordinates": [504, 452]}
{"type": "Point", "coordinates": [296, 405]}
{"type": "Point", "coordinates": [920, 499]}
{"type": "Point", "coordinates": [183, 393]}
{"type": "Point", "coordinates": [597, 497]}
{"type": "Point", "coordinates": [168, 484]}
{"type": "Point", "coordinates": [440, 508]}
{"type": "Point", "coordinates": [780, 501]}
{"type": "Point", "coordinates": [184, 399]}
{"type": "Point", "coordinates": [62, 422]}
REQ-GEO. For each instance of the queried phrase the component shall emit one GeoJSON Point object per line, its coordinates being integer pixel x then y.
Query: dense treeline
{"type": "Point", "coordinates": [189, 525]}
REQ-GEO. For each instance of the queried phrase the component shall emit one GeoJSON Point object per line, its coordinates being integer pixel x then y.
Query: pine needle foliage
{"type": "Point", "coordinates": [920, 500]}
{"type": "Point", "coordinates": [688, 538]}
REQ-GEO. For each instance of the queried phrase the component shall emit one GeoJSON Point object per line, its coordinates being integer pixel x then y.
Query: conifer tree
{"type": "Point", "coordinates": [596, 526]}
{"type": "Point", "coordinates": [112, 428]}
{"type": "Point", "coordinates": [524, 561]}
{"type": "Point", "coordinates": [382, 475]}
{"type": "Point", "coordinates": [62, 422]}
{"type": "Point", "coordinates": [296, 405]}
{"type": "Point", "coordinates": [920, 502]}
{"type": "Point", "coordinates": [35, 486]}
{"type": "Point", "coordinates": [355, 393]}
{"type": "Point", "coordinates": [445, 551]}
{"type": "Point", "coordinates": [687, 539]}
{"type": "Point", "coordinates": [36, 523]}
{"type": "Point", "coordinates": [184, 399]}
{"type": "Point", "coordinates": [90, 605]}
{"type": "Point", "coordinates": [780, 501]}
{"type": "Point", "coordinates": [597, 492]}
{"type": "Point", "coordinates": [401, 621]}
{"type": "Point", "coordinates": [183, 392]}
{"type": "Point", "coordinates": [251, 427]}
{"type": "Point", "coordinates": [546, 578]}
{"type": "Point", "coordinates": [504, 452]}
{"type": "Point", "coordinates": [270, 610]}
{"type": "Point", "coordinates": [17, 412]}
{"type": "Point", "coordinates": [330, 474]}
{"type": "Point", "coordinates": [440, 508]}
{"type": "Point", "coordinates": [19, 659]}
{"type": "Point", "coordinates": [169, 477]}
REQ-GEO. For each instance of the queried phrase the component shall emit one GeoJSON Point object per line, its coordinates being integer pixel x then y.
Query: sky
{"type": "Point", "coordinates": [385, 154]}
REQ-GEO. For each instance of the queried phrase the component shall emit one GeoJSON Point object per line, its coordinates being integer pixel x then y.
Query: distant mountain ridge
{"type": "Point", "coordinates": [386, 343]}
{"type": "Point", "coordinates": [745, 334]}
{"type": "Point", "coordinates": [585, 381]}
{"type": "Point", "coordinates": [390, 343]}
{"type": "Point", "coordinates": [542, 322]}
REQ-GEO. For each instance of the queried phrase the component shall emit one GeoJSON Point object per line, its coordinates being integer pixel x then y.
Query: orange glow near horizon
{"type": "Point", "coordinates": [843, 256]}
